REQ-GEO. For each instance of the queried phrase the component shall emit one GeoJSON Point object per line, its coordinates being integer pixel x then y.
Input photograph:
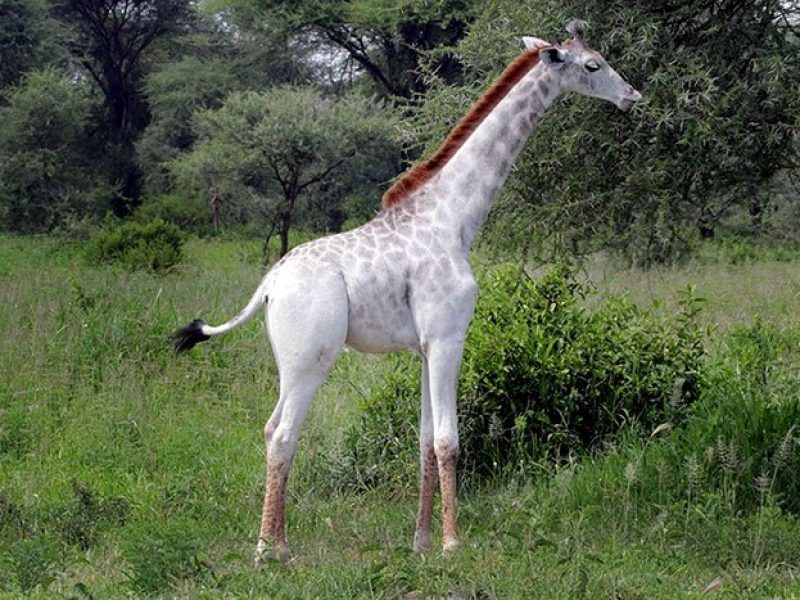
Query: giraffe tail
{"type": "Point", "coordinates": [199, 331]}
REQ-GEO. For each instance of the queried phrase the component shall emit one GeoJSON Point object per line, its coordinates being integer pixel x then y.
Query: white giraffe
{"type": "Point", "coordinates": [403, 280]}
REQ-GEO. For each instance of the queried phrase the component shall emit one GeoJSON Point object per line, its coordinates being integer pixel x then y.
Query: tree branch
{"type": "Point", "coordinates": [319, 177]}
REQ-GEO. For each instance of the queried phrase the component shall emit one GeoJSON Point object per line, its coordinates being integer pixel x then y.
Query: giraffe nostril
{"type": "Point", "coordinates": [633, 94]}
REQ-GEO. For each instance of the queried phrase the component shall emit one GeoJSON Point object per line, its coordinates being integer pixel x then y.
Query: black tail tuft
{"type": "Point", "coordinates": [186, 338]}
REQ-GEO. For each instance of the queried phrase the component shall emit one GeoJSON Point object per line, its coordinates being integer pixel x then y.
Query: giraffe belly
{"type": "Point", "coordinates": [379, 332]}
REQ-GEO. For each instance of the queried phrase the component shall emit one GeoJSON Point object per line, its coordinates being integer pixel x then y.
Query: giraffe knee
{"type": "Point", "coordinates": [282, 444]}
{"type": "Point", "coordinates": [446, 447]}
{"type": "Point", "coordinates": [269, 431]}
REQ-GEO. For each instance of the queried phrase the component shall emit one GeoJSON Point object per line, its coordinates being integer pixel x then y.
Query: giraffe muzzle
{"type": "Point", "coordinates": [628, 101]}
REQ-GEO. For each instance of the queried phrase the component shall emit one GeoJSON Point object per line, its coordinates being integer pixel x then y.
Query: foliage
{"type": "Point", "coordinates": [385, 40]}
{"type": "Point", "coordinates": [92, 382]}
{"type": "Point", "coordinates": [267, 152]}
{"type": "Point", "coordinates": [29, 39]}
{"type": "Point", "coordinates": [186, 213]}
{"type": "Point", "coordinates": [111, 41]}
{"type": "Point", "coordinates": [737, 250]}
{"type": "Point", "coordinates": [44, 178]}
{"type": "Point", "coordinates": [541, 378]}
{"type": "Point", "coordinates": [717, 120]}
{"type": "Point", "coordinates": [153, 246]}
{"type": "Point", "coordinates": [174, 93]}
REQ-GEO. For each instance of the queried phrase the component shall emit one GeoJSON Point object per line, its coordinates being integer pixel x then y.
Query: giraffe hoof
{"type": "Point", "coordinates": [264, 554]}
{"type": "Point", "coordinates": [421, 544]}
{"type": "Point", "coordinates": [450, 546]}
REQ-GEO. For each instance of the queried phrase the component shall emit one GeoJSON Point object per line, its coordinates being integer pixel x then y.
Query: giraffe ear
{"type": "Point", "coordinates": [534, 43]}
{"type": "Point", "coordinates": [554, 57]}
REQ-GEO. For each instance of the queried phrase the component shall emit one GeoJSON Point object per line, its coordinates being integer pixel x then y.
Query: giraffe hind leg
{"type": "Point", "coordinates": [307, 330]}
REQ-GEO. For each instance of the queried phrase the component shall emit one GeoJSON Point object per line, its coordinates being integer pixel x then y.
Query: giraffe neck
{"type": "Point", "coordinates": [469, 182]}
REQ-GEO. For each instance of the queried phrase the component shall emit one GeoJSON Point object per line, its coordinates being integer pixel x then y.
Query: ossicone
{"type": "Point", "coordinates": [577, 29]}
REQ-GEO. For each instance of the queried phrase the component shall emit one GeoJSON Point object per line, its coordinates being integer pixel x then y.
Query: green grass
{"type": "Point", "coordinates": [127, 471]}
{"type": "Point", "coordinates": [736, 293]}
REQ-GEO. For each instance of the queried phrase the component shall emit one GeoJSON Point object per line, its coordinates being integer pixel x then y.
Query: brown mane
{"type": "Point", "coordinates": [421, 173]}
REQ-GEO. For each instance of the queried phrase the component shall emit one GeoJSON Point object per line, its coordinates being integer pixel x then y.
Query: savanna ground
{"type": "Point", "coordinates": [126, 471]}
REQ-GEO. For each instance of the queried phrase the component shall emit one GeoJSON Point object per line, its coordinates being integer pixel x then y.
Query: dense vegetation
{"type": "Point", "coordinates": [542, 379]}
{"type": "Point", "coordinates": [262, 117]}
{"type": "Point", "coordinates": [626, 432]}
{"type": "Point", "coordinates": [126, 471]}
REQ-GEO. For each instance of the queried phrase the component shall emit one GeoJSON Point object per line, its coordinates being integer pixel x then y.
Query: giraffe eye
{"type": "Point", "coordinates": [592, 66]}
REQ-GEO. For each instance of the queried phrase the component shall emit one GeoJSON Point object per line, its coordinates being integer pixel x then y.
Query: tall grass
{"type": "Point", "coordinates": [125, 471]}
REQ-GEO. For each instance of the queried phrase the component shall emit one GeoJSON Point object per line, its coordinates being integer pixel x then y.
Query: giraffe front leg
{"type": "Point", "coordinates": [447, 457]}
{"type": "Point", "coordinates": [444, 361]}
{"type": "Point", "coordinates": [427, 461]}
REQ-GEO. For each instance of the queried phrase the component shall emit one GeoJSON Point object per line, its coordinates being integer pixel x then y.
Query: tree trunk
{"type": "Point", "coordinates": [705, 227]}
{"type": "Point", "coordinates": [757, 208]}
{"type": "Point", "coordinates": [265, 247]}
{"type": "Point", "coordinates": [286, 224]}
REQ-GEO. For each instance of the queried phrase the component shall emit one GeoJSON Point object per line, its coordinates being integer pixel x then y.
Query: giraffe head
{"type": "Point", "coordinates": [580, 69]}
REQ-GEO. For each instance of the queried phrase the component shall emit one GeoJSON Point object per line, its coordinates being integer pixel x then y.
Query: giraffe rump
{"type": "Point", "coordinates": [187, 337]}
{"type": "Point", "coordinates": [420, 174]}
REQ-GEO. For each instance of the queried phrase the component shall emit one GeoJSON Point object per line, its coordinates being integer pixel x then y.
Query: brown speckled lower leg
{"type": "Point", "coordinates": [274, 491]}
{"type": "Point", "coordinates": [280, 512]}
{"type": "Point", "coordinates": [447, 480]}
{"type": "Point", "coordinates": [427, 486]}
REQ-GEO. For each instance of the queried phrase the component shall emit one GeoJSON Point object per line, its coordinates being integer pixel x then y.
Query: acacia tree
{"type": "Point", "coordinates": [29, 39]}
{"type": "Point", "coordinates": [719, 117]}
{"type": "Point", "coordinates": [44, 175]}
{"type": "Point", "coordinates": [225, 56]}
{"type": "Point", "coordinates": [110, 39]}
{"type": "Point", "coordinates": [174, 93]}
{"type": "Point", "coordinates": [270, 151]}
{"type": "Point", "coordinates": [387, 40]}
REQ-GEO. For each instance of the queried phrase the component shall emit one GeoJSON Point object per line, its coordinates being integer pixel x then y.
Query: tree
{"type": "Point", "coordinates": [271, 151]}
{"type": "Point", "coordinates": [44, 175]}
{"type": "Point", "coordinates": [389, 40]}
{"type": "Point", "coordinates": [720, 113]}
{"type": "Point", "coordinates": [110, 39]}
{"type": "Point", "coordinates": [223, 57]}
{"type": "Point", "coordinates": [174, 93]}
{"type": "Point", "coordinates": [29, 39]}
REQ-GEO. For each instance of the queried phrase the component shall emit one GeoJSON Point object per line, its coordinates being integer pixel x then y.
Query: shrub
{"type": "Point", "coordinates": [745, 429]}
{"type": "Point", "coordinates": [161, 554]}
{"type": "Point", "coordinates": [47, 176]}
{"type": "Point", "coordinates": [154, 246]}
{"type": "Point", "coordinates": [82, 519]}
{"type": "Point", "coordinates": [542, 376]}
{"type": "Point", "coordinates": [28, 563]}
{"type": "Point", "coordinates": [189, 215]}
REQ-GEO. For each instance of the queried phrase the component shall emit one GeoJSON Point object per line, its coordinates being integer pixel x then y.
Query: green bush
{"type": "Point", "coordinates": [28, 563]}
{"type": "Point", "coordinates": [542, 377]}
{"type": "Point", "coordinates": [81, 519]}
{"type": "Point", "coordinates": [189, 215]}
{"type": "Point", "coordinates": [746, 428]}
{"type": "Point", "coordinates": [154, 246]}
{"type": "Point", "coordinates": [162, 554]}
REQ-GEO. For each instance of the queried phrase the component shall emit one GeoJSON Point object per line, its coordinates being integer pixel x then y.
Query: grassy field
{"type": "Point", "coordinates": [126, 471]}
